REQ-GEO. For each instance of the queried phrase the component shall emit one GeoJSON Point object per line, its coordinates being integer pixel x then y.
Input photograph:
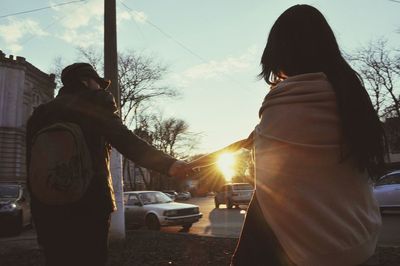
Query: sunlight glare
{"type": "Point", "coordinates": [226, 162]}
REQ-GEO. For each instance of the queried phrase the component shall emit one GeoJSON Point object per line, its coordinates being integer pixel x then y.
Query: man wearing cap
{"type": "Point", "coordinates": [77, 233]}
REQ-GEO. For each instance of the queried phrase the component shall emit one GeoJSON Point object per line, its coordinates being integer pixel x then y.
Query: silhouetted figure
{"type": "Point", "coordinates": [76, 232]}
{"type": "Point", "coordinates": [317, 147]}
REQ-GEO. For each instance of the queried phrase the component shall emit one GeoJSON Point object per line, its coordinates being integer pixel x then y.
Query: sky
{"type": "Point", "coordinates": [212, 48]}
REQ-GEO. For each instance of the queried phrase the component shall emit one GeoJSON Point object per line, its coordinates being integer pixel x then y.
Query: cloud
{"type": "Point", "coordinates": [214, 68]}
{"type": "Point", "coordinates": [81, 38]}
{"type": "Point", "coordinates": [137, 16]}
{"type": "Point", "coordinates": [13, 32]}
{"type": "Point", "coordinates": [83, 23]}
{"type": "Point", "coordinates": [15, 48]}
{"type": "Point", "coordinates": [81, 14]}
{"type": "Point", "coordinates": [140, 16]}
{"type": "Point", "coordinates": [227, 66]}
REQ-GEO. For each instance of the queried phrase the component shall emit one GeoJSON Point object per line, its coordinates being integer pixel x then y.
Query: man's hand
{"type": "Point", "coordinates": [211, 158]}
{"type": "Point", "coordinates": [180, 169]}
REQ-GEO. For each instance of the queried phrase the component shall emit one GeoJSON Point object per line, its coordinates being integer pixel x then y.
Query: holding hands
{"type": "Point", "coordinates": [182, 169]}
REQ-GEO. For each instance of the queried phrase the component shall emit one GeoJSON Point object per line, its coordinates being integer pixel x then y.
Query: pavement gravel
{"type": "Point", "coordinates": [143, 248]}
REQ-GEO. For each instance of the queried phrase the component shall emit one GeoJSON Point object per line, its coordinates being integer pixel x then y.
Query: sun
{"type": "Point", "coordinates": [226, 163]}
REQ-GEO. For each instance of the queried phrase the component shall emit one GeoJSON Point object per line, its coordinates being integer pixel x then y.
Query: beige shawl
{"type": "Point", "coordinates": [321, 210]}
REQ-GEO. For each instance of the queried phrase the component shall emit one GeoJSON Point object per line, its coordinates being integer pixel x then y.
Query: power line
{"type": "Point", "coordinates": [40, 9]}
{"type": "Point", "coordinates": [46, 28]}
{"type": "Point", "coordinates": [182, 45]}
{"type": "Point", "coordinates": [166, 34]}
{"type": "Point", "coordinates": [52, 24]}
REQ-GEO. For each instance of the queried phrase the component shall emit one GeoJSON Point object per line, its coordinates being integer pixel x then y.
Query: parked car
{"type": "Point", "coordinates": [387, 191]}
{"type": "Point", "coordinates": [171, 193]}
{"type": "Point", "coordinates": [155, 209]}
{"type": "Point", "coordinates": [234, 194]}
{"type": "Point", "coordinates": [210, 194]}
{"type": "Point", "coordinates": [15, 211]}
{"type": "Point", "coordinates": [185, 195]}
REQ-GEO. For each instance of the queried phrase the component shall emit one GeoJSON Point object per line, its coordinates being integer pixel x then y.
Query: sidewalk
{"type": "Point", "coordinates": [145, 248]}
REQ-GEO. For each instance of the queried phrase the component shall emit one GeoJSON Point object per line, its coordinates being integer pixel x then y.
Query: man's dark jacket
{"type": "Point", "coordinates": [96, 113]}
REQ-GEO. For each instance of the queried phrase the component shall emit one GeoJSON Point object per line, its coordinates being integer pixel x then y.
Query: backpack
{"type": "Point", "coordinates": [60, 169]}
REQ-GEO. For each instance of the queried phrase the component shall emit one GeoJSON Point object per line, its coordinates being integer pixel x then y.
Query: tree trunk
{"type": "Point", "coordinates": [127, 165]}
{"type": "Point", "coordinates": [147, 184]}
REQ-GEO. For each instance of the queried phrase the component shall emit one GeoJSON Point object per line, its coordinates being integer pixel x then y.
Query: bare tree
{"type": "Point", "coordinates": [139, 81]}
{"type": "Point", "coordinates": [56, 68]}
{"type": "Point", "coordinates": [170, 135]}
{"type": "Point", "coordinates": [167, 133]}
{"type": "Point", "coordinates": [139, 78]}
{"type": "Point", "coordinates": [244, 167]}
{"type": "Point", "coordinates": [93, 57]}
{"type": "Point", "coordinates": [379, 67]}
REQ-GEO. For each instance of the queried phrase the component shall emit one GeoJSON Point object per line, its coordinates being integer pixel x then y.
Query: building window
{"type": "Point", "coordinates": [36, 101]}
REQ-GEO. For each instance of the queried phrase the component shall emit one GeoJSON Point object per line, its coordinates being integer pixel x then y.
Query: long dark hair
{"type": "Point", "coordinates": [301, 41]}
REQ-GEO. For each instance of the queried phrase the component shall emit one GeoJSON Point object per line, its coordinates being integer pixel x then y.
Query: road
{"type": "Point", "coordinates": [215, 222]}
{"type": "Point", "coordinates": [228, 223]}
{"type": "Point", "coordinates": [390, 232]}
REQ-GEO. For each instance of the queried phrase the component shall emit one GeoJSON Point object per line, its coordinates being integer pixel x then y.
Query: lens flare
{"type": "Point", "coordinates": [226, 163]}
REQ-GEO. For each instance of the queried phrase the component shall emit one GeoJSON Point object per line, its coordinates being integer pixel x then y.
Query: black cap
{"type": "Point", "coordinates": [76, 71]}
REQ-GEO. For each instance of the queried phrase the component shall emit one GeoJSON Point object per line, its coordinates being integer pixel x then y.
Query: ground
{"type": "Point", "coordinates": [210, 242]}
{"type": "Point", "coordinates": [145, 248]}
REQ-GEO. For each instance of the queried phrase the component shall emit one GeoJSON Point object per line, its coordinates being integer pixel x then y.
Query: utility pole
{"type": "Point", "coordinates": [117, 228]}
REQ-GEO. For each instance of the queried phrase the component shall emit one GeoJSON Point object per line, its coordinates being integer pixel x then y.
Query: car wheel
{"type": "Point", "coordinates": [152, 222]}
{"type": "Point", "coordinates": [187, 226]}
{"type": "Point", "coordinates": [216, 203]}
{"type": "Point", "coordinates": [229, 204]}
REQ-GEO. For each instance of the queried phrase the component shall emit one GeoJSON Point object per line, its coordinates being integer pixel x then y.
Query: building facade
{"type": "Point", "coordinates": [23, 87]}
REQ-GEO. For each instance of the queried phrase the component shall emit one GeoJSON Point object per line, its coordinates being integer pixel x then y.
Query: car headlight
{"type": "Point", "coordinates": [9, 207]}
{"type": "Point", "coordinates": [196, 210]}
{"type": "Point", "coordinates": [170, 213]}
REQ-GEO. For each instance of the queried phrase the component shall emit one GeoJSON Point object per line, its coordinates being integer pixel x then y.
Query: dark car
{"type": "Point", "coordinates": [15, 211]}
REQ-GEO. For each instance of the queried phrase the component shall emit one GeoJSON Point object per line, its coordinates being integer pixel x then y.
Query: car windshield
{"type": "Point", "coordinates": [154, 198]}
{"type": "Point", "coordinates": [9, 191]}
{"type": "Point", "coordinates": [242, 187]}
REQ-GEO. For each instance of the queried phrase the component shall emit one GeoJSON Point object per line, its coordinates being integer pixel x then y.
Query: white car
{"type": "Point", "coordinates": [171, 193]}
{"type": "Point", "coordinates": [387, 191]}
{"type": "Point", "coordinates": [155, 209]}
{"type": "Point", "coordinates": [234, 194]}
{"type": "Point", "coordinates": [185, 195]}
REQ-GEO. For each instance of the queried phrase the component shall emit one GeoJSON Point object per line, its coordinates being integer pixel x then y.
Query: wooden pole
{"type": "Point", "coordinates": [117, 227]}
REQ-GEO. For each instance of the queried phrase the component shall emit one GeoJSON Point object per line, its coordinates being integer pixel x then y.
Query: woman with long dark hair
{"type": "Point", "coordinates": [318, 146]}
